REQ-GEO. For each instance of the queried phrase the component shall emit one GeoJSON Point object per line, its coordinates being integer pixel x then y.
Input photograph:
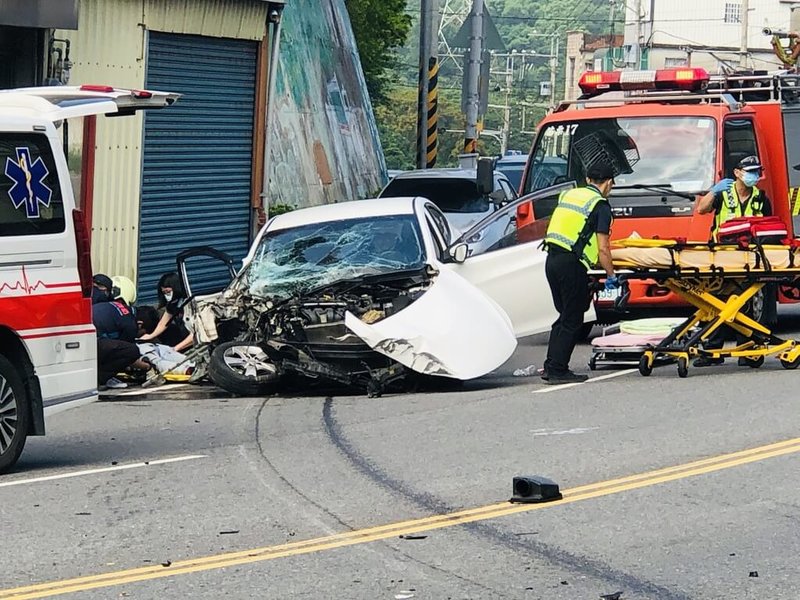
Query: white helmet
{"type": "Point", "coordinates": [124, 288]}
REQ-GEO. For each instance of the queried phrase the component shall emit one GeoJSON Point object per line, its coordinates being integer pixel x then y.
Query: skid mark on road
{"type": "Point", "coordinates": [392, 530]}
{"type": "Point", "coordinates": [139, 465]}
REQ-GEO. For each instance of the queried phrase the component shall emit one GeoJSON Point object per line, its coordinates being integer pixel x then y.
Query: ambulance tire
{"type": "Point", "coordinates": [243, 369]}
{"type": "Point", "coordinates": [14, 415]}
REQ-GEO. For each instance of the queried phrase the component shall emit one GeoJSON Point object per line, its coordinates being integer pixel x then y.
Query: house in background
{"type": "Point", "coordinates": [671, 33]}
{"type": "Point", "coordinates": [589, 52]}
{"type": "Point", "coordinates": [192, 174]}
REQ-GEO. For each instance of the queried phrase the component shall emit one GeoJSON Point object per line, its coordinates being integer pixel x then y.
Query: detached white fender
{"type": "Point", "coordinates": [452, 330]}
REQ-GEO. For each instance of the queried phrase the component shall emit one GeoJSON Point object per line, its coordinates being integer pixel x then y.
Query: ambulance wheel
{"type": "Point", "coordinates": [683, 367]}
{"type": "Point", "coordinates": [791, 364]}
{"type": "Point", "coordinates": [243, 369]}
{"type": "Point", "coordinates": [645, 368]}
{"type": "Point", "coordinates": [14, 414]}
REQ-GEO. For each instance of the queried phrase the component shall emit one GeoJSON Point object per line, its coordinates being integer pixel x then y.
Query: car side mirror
{"type": "Point", "coordinates": [498, 198]}
{"type": "Point", "coordinates": [458, 253]}
{"type": "Point", "coordinates": [485, 176]}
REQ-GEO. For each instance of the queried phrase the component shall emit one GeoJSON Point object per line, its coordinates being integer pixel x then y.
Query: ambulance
{"type": "Point", "coordinates": [679, 131]}
{"type": "Point", "coordinates": [48, 345]}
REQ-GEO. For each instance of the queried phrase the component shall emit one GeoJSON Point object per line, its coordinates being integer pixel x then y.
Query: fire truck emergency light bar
{"type": "Point", "coordinates": [689, 79]}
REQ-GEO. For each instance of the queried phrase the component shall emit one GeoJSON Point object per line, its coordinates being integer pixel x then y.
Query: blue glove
{"type": "Point", "coordinates": [612, 282]}
{"type": "Point", "coordinates": [722, 185]}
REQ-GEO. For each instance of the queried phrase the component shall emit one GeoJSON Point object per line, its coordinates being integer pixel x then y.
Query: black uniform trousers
{"type": "Point", "coordinates": [569, 285]}
{"type": "Point", "coordinates": [114, 356]}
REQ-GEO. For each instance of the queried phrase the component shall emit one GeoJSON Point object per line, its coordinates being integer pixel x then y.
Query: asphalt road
{"type": "Point", "coordinates": [673, 489]}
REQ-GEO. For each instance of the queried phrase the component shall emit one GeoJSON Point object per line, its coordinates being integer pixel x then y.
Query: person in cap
{"type": "Point", "coordinates": [728, 199]}
{"type": "Point", "coordinates": [577, 240]}
{"type": "Point", "coordinates": [739, 197]}
{"type": "Point", "coordinates": [117, 328]}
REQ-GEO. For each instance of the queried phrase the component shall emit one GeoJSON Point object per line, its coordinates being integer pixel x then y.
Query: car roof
{"type": "Point", "coordinates": [513, 159]}
{"type": "Point", "coordinates": [346, 210]}
{"type": "Point", "coordinates": [454, 173]}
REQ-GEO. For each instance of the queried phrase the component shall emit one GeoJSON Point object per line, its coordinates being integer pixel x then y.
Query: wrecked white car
{"type": "Point", "coordinates": [370, 293]}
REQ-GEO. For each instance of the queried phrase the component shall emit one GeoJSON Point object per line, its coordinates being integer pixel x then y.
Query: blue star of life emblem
{"type": "Point", "coordinates": [28, 177]}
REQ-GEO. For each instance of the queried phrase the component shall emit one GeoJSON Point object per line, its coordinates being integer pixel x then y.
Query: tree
{"type": "Point", "coordinates": [380, 28]}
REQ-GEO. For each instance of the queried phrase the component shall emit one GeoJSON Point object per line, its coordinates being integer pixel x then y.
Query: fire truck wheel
{"type": "Point", "coordinates": [14, 415]}
{"type": "Point", "coordinates": [243, 369]}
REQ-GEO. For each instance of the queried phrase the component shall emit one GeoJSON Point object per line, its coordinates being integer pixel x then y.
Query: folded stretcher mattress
{"type": "Point", "coordinates": [779, 257]}
{"type": "Point", "coordinates": [626, 340]}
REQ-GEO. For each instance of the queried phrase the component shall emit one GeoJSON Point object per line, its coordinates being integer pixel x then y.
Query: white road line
{"type": "Point", "coordinates": [138, 465]}
{"type": "Point", "coordinates": [555, 388]}
{"type": "Point", "coordinates": [141, 391]}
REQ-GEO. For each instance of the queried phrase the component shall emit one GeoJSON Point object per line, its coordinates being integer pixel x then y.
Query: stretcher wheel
{"type": "Point", "coordinates": [791, 364]}
{"type": "Point", "coordinates": [683, 366]}
{"type": "Point", "coordinates": [756, 362]}
{"type": "Point", "coordinates": [645, 368]}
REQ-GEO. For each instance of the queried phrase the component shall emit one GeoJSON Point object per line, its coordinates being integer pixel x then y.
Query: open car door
{"type": "Point", "coordinates": [508, 263]}
{"type": "Point", "coordinates": [56, 103]}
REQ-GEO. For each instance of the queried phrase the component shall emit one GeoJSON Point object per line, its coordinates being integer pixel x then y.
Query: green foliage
{"type": "Point", "coordinates": [523, 25]}
{"type": "Point", "coordinates": [380, 27]}
{"type": "Point", "coordinates": [279, 209]}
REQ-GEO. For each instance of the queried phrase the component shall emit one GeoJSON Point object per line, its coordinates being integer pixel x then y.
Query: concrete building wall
{"type": "Point", "coordinates": [712, 24]}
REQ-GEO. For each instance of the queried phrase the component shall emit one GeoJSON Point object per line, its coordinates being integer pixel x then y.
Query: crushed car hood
{"type": "Point", "coordinates": [453, 330]}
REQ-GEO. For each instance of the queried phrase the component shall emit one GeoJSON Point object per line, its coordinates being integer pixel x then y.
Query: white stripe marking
{"type": "Point", "coordinates": [139, 465]}
{"type": "Point", "coordinates": [555, 388]}
{"type": "Point", "coordinates": [148, 390]}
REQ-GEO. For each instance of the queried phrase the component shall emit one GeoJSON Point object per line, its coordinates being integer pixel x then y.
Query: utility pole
{"type": "Point", "coordinates": [553, 67]}
{"type": "Point", "coordinates": [507, 106]}
{"type": "Point", "coordinates": [638, 55]}
{"type": "Point", "coordinates": [743, 48]}
{"type": "Point", "coordinates": [473, 75]}
{"type": "Point", "coordinates": [427, 101]}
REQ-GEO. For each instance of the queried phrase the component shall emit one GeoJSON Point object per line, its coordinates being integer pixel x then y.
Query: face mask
{"type": "Point", "coordinates": [168, 297]}
{"type": "Point", "coordinates": [750, 179]}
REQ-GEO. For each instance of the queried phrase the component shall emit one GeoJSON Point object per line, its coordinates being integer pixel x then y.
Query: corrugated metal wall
{"type": "Point", "coordinates": [107, 49]}
{"type": "Point", "coordinates": [197, 155]}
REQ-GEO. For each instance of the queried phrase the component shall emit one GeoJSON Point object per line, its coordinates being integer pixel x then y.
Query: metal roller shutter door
{"type": "Point", "coordinates": [197, 165]}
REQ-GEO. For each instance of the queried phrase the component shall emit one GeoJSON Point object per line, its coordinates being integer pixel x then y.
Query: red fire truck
{"type": "Point", "coordinates": [681, 130]}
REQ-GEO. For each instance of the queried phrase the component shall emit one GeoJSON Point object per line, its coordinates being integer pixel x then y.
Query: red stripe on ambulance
{"type": "Point", "coordinates": [45, 310]}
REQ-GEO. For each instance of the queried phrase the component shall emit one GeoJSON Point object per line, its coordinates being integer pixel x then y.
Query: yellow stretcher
{"type": "Point", "coordinates": [719, 281]}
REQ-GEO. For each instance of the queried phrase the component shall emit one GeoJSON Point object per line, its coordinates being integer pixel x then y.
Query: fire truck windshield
{"type": "Point", "coordinates": [673, 154]}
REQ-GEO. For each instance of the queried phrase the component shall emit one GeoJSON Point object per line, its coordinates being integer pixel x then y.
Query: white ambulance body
{"type": "Point", "coordinates": [48, 344]}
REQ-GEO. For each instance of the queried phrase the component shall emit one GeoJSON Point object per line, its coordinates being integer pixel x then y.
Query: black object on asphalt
{"type": "Point", "coordinates": [753, 573]}
{"type": "Point", "coordinates": [528, 490]}
{"type": "Point", "coordinates": [614, 596]}
{"type": "Point", "coordinates": [413, 536]}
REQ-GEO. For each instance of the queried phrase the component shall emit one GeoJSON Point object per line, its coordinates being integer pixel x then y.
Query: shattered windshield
{"type": "Point", "coordinates": [291, 261]}
{"type": "Point", "coordinates": [672, 153]}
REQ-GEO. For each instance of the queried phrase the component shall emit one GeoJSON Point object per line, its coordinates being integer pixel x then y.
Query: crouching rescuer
{"type": "Point", "coordinates": [577, 239]}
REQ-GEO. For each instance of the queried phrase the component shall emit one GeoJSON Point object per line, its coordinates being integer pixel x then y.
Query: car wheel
{"type": "Point", "coordinates": [243, 369]}
{"type": "Point", "coordinates": [14, 413]}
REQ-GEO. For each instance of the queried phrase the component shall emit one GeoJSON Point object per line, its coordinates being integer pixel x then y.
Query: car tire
{"type": "Point", "coordinates": [243, 369]}
{"type": "Point", "coordinates": [14, 414]}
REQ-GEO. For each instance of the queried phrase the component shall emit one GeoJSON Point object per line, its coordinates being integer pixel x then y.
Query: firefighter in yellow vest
{"type": "Point", "coordinates": [728, 199]}
{"type": "Point", "coordinates": [740, 197]}
{"type": "Point", "coordinates": [577, 239]}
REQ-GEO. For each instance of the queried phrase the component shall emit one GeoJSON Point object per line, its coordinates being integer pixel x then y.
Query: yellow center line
{"type": "Point", "coordinates": [382, 532]}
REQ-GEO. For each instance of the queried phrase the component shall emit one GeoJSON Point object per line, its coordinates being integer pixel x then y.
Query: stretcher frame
{"type": "Point", "coordinates": [707, 290]}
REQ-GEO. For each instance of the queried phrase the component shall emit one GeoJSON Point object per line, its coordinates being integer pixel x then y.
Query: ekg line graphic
{"type": "Point", "coordinates": [29, 288]}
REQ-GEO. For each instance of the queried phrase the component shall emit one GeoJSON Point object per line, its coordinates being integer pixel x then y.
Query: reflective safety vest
{"type": "Point", "coordinates": [732, 208]}
{"type": "Point", "coordinates": [568, 225]}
